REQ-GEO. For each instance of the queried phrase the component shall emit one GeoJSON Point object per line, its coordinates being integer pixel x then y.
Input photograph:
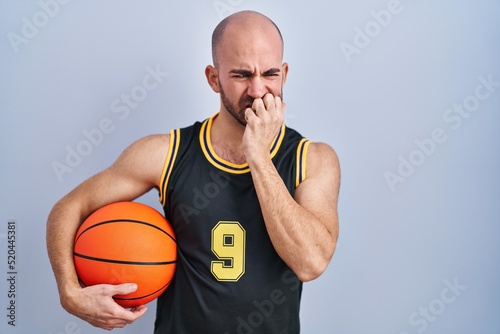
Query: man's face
{"type": "Point", "coordinates": [237, 108]}
{"type": "Point", "coordinates": [249, 68]}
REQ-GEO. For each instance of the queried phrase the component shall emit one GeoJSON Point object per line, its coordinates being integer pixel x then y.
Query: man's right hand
{"type": "Point", "coordinates": [95, 304]}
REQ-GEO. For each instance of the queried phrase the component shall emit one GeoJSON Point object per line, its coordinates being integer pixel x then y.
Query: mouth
{"type": "Point", "coordinates": [245, 107]}
{"type": "Point", "coordinates": [248, 103]}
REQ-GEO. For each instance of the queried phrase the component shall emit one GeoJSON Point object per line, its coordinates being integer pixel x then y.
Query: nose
{"type": "Point", "coordinates": [256, 87]}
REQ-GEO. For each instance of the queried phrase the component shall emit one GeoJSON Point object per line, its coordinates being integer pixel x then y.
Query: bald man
{"type": "Point", "coordinates": [269, 221]}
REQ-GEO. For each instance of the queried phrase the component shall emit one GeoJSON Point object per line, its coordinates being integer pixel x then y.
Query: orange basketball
{"type": "Point", "coordinates": [127, 242]}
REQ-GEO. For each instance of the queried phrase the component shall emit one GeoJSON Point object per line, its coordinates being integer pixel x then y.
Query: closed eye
{"type": "Point", "coordinates": [273, 72]}
{"type": "Point", "coordinates": [240, 74]}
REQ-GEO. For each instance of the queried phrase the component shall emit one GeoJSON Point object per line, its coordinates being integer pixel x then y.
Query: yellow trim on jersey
{"type": "Point", "coordinates": [222, 164]}
{"type": "Point", "coordinates": [173, 148]}
{"type": "Point", "coordinates": [301, 161]}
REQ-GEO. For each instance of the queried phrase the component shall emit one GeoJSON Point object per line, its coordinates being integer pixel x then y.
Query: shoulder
{"type": "Point", "coordinates": [151, 145]}
{"type": "Point", "coordinates": [322, 161]}
{"type": "Point", "coordinates": [153, 142]}
{"type": "Point", "coordinates": [318, 154]}
{"type": "Point", "coordinates": [318, 150]}
{"type": "Point", "coordinates": [320, 189]}
{"type": "Point", "coordinates": [145, 157]}
{"type": "Point", "coordinates": [322, 167]}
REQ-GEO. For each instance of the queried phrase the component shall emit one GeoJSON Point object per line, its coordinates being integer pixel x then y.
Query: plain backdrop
{"type": "Point", "coordinates": [407, 92]}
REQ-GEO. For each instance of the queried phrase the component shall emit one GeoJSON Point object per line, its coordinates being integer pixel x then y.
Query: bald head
{"type": "Point", "coordinates": [241, 23]}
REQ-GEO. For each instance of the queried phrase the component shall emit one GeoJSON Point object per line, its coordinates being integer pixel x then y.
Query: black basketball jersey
{"type": "Point", "coordinates": [229, 278]}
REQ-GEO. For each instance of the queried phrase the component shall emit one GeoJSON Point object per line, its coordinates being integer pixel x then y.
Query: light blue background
{"type": "Point", "coordinates": [398, 248]}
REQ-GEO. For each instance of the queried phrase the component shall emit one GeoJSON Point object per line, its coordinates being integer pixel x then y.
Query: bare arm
{"type": "Point", "coordinates": [134, 173]}
{"type": "Point", "coordinates": [304, 229]}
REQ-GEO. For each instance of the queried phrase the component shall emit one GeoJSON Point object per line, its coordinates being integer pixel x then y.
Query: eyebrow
{"type": "Point", "coordinates": [272, 71]}
{"type": "Point", "coordinates": [248, 72]}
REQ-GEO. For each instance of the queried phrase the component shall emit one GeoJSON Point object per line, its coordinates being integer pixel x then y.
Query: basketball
{"type": "Point", "coordinates": [127, 242]}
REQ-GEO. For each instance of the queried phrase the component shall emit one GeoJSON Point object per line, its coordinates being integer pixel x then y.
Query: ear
{"type": "Point", "coordinates": [284, 71]}
{"type": "Point", "coordinates": [212, 75]}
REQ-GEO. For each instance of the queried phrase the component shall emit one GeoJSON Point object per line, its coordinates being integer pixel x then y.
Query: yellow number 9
{"type": "Point", "coordinates": [228, 244]}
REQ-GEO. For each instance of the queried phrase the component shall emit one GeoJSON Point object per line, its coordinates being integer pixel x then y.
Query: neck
{"type": "Point", "coordinates": [226, 136]}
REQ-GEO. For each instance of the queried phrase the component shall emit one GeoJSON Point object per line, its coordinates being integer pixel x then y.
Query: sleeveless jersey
{"type": "Point", "coordinates": [229, 278]}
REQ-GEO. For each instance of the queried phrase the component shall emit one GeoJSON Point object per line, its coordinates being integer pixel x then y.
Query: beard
{"type": "Point", "coordinates": [237, 110]}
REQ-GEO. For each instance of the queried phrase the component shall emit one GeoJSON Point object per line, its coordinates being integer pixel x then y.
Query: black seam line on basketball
{"type": "Point", "coordinates": [144, 296]}
{"type": "Point", "coordinates": [127, 221]}
{"type": "Point", "coordinates": [86, 285]}
{"type": "Point", "coordinates": [98, 259]}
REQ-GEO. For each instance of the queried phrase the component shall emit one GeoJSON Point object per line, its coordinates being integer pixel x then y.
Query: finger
{"type": "Point", "coordinates": [111, 290]}
{"type": "Point", "coordinates": [280, 107]}
{"type": "Point", "coordinates": [139, 309]}
{"type": "Point", "coordinates": [133, 314]}
{"type": "Point", "coordinates": [123, 317]}
{"type": "Point", "coordinates": [258, 106]}
{"type": "Point", "coordinates": [135, 308]}
{"type": "Point", "coordinates": [249, 115]}
{"type": "Point", "coordinates": [269, 102]}
{"type": "Point", "coordinates": [123, 289]}
{"type": "Point", "coordinates": [278, 103]}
